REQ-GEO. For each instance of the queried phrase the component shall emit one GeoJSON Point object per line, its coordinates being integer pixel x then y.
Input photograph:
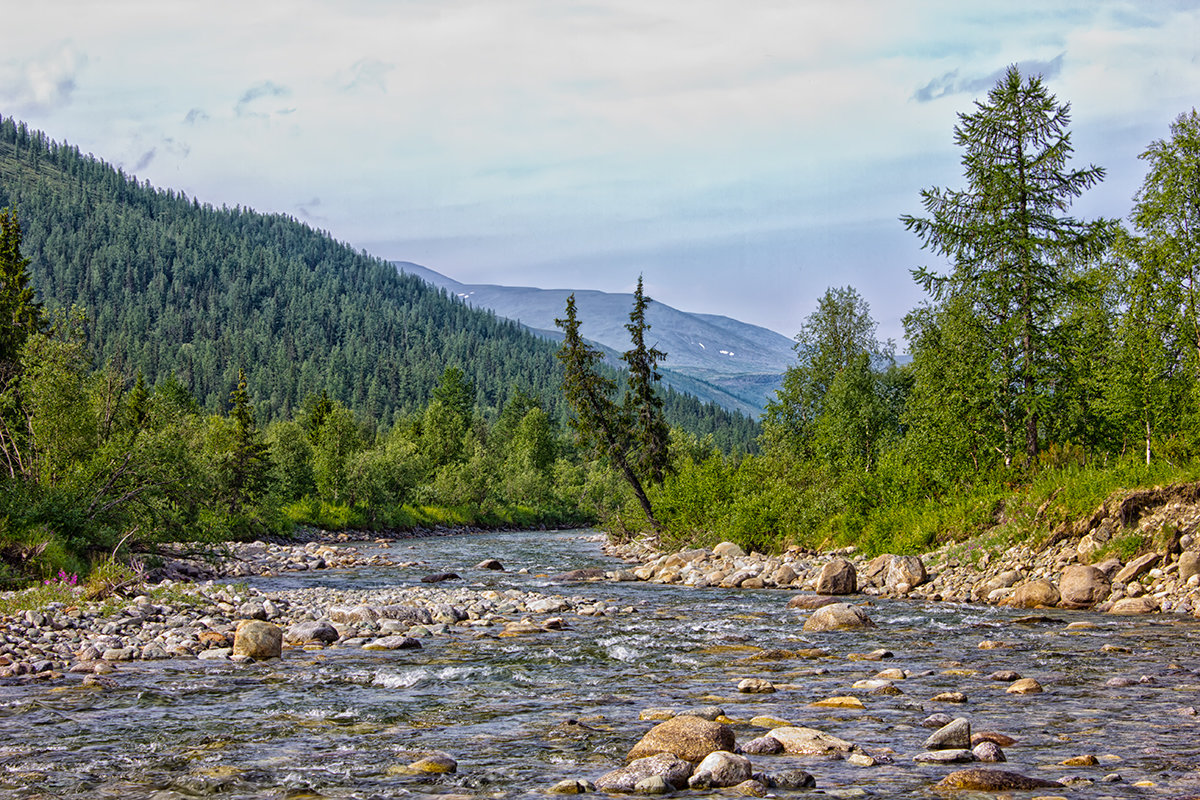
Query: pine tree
{"type": "Point", "coordinates": [20, 313]}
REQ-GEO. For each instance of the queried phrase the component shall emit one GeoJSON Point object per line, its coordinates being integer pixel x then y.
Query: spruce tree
{"type": "Point", "coordinates": [643, 405]}
{"type": "Point", "coordinates": [1010, 246]}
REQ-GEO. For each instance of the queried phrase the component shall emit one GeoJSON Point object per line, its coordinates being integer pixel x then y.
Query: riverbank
{"type": "Point", "coordinates": [1138, 553]}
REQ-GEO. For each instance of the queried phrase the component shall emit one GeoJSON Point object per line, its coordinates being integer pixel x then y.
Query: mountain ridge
{"type": "Point", "coordinates": [718, 358]}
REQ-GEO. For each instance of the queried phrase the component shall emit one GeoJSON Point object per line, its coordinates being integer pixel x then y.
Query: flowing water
{"type": "Point", "coordinates": [520, 714]}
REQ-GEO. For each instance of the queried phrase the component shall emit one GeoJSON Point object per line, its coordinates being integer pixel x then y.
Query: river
{"type": "Point", "coordinates": [520, 714]}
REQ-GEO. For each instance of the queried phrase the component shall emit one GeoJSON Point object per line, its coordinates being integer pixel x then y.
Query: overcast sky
{"type": "Point", "coordinates": [742, 155]}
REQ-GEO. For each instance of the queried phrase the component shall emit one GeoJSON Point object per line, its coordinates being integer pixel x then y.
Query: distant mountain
{"type": "Point", "coordinates": [718, 359]}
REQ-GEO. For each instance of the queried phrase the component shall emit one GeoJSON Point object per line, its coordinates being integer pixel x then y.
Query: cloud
{"type": "Point", "coordinates": [44, 83]}
{"type": "Point", "coordinates": [145, 160]}
{"type": "Point", "coordinates": [194, 116]}
{"type": "Point", "coordinates": [308, 208]}
{"type": "Point", "coordinates": [950, 83]}
{"type": "Point", "coordinates": [266, 89]}
{"type": "Point", "coordinates": [368, 73]}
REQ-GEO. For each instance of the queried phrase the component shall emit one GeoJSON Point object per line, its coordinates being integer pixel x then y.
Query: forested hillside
{"type": "Point", "coordinates": [171, 284]}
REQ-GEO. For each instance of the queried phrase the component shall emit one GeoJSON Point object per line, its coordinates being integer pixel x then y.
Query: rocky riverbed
{"type": "Point", "coordinates": [545, 667]}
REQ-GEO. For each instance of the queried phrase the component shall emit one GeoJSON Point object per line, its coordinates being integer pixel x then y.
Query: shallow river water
{"type": "Point", "coordinates": [520, 714]}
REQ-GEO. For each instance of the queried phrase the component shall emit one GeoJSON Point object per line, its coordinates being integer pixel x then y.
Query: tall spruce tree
{"type": "Point", "coordinates": [643, 404]}
{"type": "Point", "coordinates": [600, 424]}
{"type": "Point", "coordinates": [1010, 246]}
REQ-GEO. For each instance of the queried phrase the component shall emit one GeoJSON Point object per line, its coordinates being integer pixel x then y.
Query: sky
{"type": "Point", "coordinates": [741, 155]}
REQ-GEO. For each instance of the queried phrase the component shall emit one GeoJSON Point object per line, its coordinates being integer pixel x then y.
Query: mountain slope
{"type": "Point", "coordinates": [719, 359]}
{"type": "Point", "coordinates": [173, 285]}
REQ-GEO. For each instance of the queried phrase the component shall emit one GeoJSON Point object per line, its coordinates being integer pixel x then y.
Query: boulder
{"type": "Point", "coordinates": [585, 574]}
{"type": "Point", "coordinates": [994, 780]}
{"type": "Point", "coordinates": [728, 550]}
{"type": "Point", "coordinates": [672, 769]}
{"type": "Point", "coordinates": [490, 563]}
{"type": "Point", "coordinates": [809, 741]}
{"type": "Point", "coordinates": [690, 738]}
{"type": "Point", "coordinates": [1024, 686]}
{"type": "Point", "coordinates": [808, 602]}
{"type": "Point", "coordinates": [988, 751]}
{"type": "Point", "coordinates": [907, 570]}
{"type": "Point", "coordinates": [793, 779]}
{"type": "Point", "coordinates": [954, 736]}
{"type": "Point", "coordinates": [438, 577]}
{"type": "Point", "coordinates": [837, 577]}
{"type": "Point", "coordinates": [1134, 605]}
{"type": "Point", "coordinates": [1082, 586]}
{"type": "Point", "coordinates": [437, 764]}
{"type": "Point", "coordinates": [755, 686]}
{"type": "Point", "coordinates": [956, 756]}
{"type": "Point", "coordinates": [721, 769]}
{"type": "Point", "coordinates": [1189, 564]}
{"type": "Point", "coordinates": [1034, 594]}
{"type": "Point", "coordinates": [316, 631]}
{"type": "Point", "coordinates": [763, 746]}
{"type": "Point", "coordinates": [258, 640]}
{"type": "Point", "coordinates": [838, 617]}
{"type": "Point", "coordinates": [1137, 568]}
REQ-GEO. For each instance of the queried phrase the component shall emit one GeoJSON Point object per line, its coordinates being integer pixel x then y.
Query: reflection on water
{"type": "Point", "coordinates": [520, 714]}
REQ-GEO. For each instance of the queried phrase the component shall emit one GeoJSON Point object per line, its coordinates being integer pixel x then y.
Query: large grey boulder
{"type": "Point", "coordinates": [797, 740]}
{"type": "Point", "coordinates": [1034, 594]}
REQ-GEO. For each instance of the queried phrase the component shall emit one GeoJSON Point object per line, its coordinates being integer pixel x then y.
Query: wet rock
{"type": "Point", "coordinates": [809, 741]}
{"type": "Point", "coordinates": [838, 617]}
{"type": "Point", "coordinates": [439, 577]}
{"type": "Point", "coordinates": [988, 751]}
{"type": "Point", "coordinates": [838, 577]}
{"type": "Point", "coordinates": [258, 640]}
{"type": "Point", "coordinates": [710, 713]}
{"type": "Point", "coordinates": [315, 631]}
{"type": "Point", "coordinates": [957, 756]}
{"type": "Point", "coordinates": [572, 787]}
{"type": "Point", "coordinates": [994, 737]}
{"type": "Point", "coordinates": [393, 643]}
{"type": "Point", "coordinates": [655, 784]}
{"type": "Point", "coordinates": [844, 701]}
{"type": "Point", "coordinates": [994, 780]}
{"type": "Point", "coordinates": [792, 779]}
{"type": "Point", "coordinates": [809, 602]}
{"type": "Point", "coordinates": [763, 746]}
{"type": "Point", "coordinates": [1034, 594]}
{"type": "Point", "coordinates": [490, 563]}
{"type": "Point", "coordinates": [690, 738]}
{"type": "Point", "coordinates": [938, 720]}
{"type": "Point", "coordinates": [750, 788]}
{"type": "Point", "coordinates": [1004, 675]}
{"type": "Point", "coordinates": [438, 764]}
{"type": "Point", "coordinates": [1082, 586]}
{"type": "Point", "coordinates": [956, 735]}
{"type": "Point", "coordinates": [755, 686]}
{"type": "Point", "coordinates": [1024, 686]}
{"type": "Point", "coordinates": [672, 769]}
{"type": "Point", "coordinates": [585, 574]}
{"type": "Point", "coordinates": [720, 769]}
{"type": "Point", "coordinates": [949, 697]}
{"type": "Point", "coordinates": [1080, 761]}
